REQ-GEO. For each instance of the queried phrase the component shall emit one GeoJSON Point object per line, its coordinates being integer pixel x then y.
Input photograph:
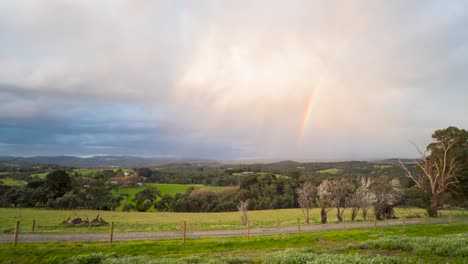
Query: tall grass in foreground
{"type": "Point", "coordinates": [445, 246]}
{"type": "Point", "coordinates": [292, 256]}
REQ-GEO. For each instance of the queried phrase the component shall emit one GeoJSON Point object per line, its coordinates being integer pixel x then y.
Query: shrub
{"type": "Point", "coordinates": [294, 256]}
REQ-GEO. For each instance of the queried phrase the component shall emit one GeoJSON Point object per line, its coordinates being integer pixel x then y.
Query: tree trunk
{"type": "Point", "coordinates": [307, 215]}
{"type": "Point", "coordinates": [354, 213]}
{"type": "Point", "coordinates": [433, 212]}
{"type": "Point", "coordinates": [323, 214]}
{"type": "Point", "coordinates": [339, 215]}
{"type": "Point", "coordinates": [364, 213]}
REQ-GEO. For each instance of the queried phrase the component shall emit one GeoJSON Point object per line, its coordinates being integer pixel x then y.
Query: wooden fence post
{"type": "Point", "coordinates": [15, 238]}
{"type": "Point", "coordinates": [184, 230]}
{"type": "Point", "coordinates": [111, 233]}
{"type": "Point", "coordinates": [33, 225]}
{"type": "Point", "coordinates": [248, 229]}
{"type": "Point", "coordinates": [298, 225]}
{"type": "Point", "coordinates": [375, 222]}
{"type": "Point", "coordinates": [403, 220]}
{"type": "Point", "coordinates": [450, 216]}
{"type": "Point", "coordinates": [344, 223]}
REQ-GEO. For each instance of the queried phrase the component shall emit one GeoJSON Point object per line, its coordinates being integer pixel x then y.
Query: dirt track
{"type": "Point", "coordinates": [88, 237]}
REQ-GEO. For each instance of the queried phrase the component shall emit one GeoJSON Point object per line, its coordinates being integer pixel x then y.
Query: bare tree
{"type": "Point", "coordinates": [438, 171]}
{"type": "Point", "coordinates": [243, 208]}
{"type": "Point", "coordinates": [340, 190]}
{"type": "Point", "coordinates": [324, 199]}
{"type": "Point", "coordinates": [360, 199]}
{"type": "Point", "coordinates": [306, 195]}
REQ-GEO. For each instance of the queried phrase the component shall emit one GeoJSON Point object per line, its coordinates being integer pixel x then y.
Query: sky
{"type": "Point", "coordinates": [304, 80]}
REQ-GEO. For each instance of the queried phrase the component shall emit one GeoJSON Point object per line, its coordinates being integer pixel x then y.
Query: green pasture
{"type": "Point", "coordinates": [442, 243]}
{"type": "Point", "coordinates": [49, 221]}
{"type": "Point", "coordinates": [86, 172]}
{"type": "Point", "coordinates": [383, 166]}
{"type": "Point", "coordinates": [332, 171]}
{"type": "Point", "coordinates": [12, 182]}
{"type": "Point", "coordinates": [40, 175]}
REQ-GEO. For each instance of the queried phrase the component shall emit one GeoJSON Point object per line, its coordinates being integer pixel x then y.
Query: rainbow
{"type": "Point", "coordinates": [306, 116]}
{"type": "Point", "coordinates": [308, 111]}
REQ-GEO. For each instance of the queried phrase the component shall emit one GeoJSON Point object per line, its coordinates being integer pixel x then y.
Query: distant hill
{"type": "Point", "coordinates": [397, 161]}
{"type": "Point", "coordinates": [99, 161]}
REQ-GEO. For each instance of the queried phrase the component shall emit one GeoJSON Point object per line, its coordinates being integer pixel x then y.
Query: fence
{"type": "Point", "coordinates": [185, 231]}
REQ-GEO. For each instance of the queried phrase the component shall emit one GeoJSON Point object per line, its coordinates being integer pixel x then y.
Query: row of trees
{"type": "Point", "coordinates": [340, 194]}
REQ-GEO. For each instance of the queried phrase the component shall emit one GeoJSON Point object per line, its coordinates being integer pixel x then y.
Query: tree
{"type": "Point", "coordinates": [306, 195]}
{"type": "Point", "coordinates": [57, 183]}
{"type": "Point", "coordinates": [360, 200]}
{"type": "Point", "coordinates": [441, 165]}
{"type": "Point", "coordinates": [144, 172]}
{"type": "Point", "coordinates": [385, 195]}
{"type": "Point", "coordinates": [142, 198]}
{"type": "Point", "coordinates": [459, 151]}
{"type": "Point", "coordinates": [324, 199]}
{"type": "Point", "coordinates": [243, 208]}
{"type": "Point", "coordinates": [340, 190]}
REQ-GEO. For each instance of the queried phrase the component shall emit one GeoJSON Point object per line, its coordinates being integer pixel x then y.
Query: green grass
{"type": "Point", "coordinates": [445, 246]}
{"type": "Point", "coordinates": [48, 221]}
{"type": "Point", "coordinates": [40, 175]}
{"type": "Point", "coordinates": [332, 171]}
{"type": "Point", "coordinates": [383, 166]}
{"type": "Point", "coordinates": [351, 246]}
{"type": "Point", "coordinates": [86, 172]}
{"type": "Point", "coordinates": [12, 182]}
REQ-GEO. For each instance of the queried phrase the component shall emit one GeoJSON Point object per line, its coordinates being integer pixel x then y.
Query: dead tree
{"type": "Point", "coordinates": [243, 208]}
{"type": "Point", "coordinates": [436, 172]}
{"type": "Point", "coordinates": [306, 195]}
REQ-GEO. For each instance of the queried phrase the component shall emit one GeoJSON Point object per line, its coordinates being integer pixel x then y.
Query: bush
{"type": "Point", "coordinates": [127, 207]}
{"type": "Point", "coordinates": [294, 256]}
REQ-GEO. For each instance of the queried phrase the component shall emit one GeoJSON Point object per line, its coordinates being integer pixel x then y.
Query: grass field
{"type": "Point", "coordinates": [12, 182]}
{"type": "Point", "coordinates": [170, 189]}
{"type": "Point", "coordinates": [48, 221]}
{"type": "Point", "coordinates": [420, 244]}
{"type": "Point", "coordinates": [86, 172]}
{"type": "Point", "coordinates": [330, 171]}
{"type": "Point", "coordinates": [40, 175]}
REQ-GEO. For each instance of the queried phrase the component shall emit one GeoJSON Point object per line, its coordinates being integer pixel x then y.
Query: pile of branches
{"type": "Point", "coordinates": [78, 221]}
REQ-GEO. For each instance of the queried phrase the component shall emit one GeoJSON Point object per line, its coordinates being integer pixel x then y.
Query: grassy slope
{"type": "Point", "coordinates": [12, 182]}
{"type": "Point", "coordinates": [49, 220]}
{"type": "Point", "coordinates": [330, 171]}
{"type": "Point", "coordinates": [40, 175]}
{"type": "Point", "coordinates": [331, 242]}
